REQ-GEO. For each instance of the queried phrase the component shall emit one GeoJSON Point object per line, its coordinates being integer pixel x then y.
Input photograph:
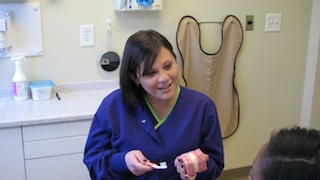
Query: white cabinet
{"type": "Point", "coordinates": [11, 154]}
{"type": "Point", "coordinates": [48, 151]}
{"type": "Point", "coordinates": [55, 151]}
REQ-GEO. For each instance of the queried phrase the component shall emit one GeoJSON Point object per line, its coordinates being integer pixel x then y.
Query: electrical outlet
{"type": "Point", "coordinates": [273, 22]}
{"type": "Point", "coordinates": [86, 35]}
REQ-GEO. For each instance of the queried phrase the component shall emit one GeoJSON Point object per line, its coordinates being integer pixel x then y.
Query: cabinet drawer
{"type": "Point", "coordinates": [57, 130]}
{"type": "Point", "coordinates": [54, 147]}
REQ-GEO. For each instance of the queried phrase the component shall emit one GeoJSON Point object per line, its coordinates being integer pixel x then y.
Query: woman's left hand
{"type": "Point", "coordinates": [181, 169]}
{"type": "Point", "coordinates": [190, 163]}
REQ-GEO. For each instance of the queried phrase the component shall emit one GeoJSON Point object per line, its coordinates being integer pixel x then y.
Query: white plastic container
{"type": "Point", "coordinates": [41, 89]}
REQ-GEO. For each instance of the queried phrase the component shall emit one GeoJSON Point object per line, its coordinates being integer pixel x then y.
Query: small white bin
{"type": "Point", "coordinates": [41, 90]}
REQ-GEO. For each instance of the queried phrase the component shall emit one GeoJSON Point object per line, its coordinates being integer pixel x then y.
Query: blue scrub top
{"type": "Point", "coordinates": [119, 127]}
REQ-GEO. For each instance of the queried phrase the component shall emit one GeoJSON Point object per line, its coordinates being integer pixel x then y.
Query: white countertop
{"type": "Point", "coordinates": [79, 101]}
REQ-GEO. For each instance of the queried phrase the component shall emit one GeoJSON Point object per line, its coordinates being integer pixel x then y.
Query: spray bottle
{"type": "Point", "coordinates": [19, 80]}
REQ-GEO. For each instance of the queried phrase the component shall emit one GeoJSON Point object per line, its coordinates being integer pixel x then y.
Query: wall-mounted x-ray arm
{"type": "Point", "coordinates": [5, 34]}
{"type": "Point", "coordinates": [3, 29]}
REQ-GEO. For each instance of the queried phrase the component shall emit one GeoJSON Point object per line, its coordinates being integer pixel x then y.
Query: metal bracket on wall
{"type": "Point", "coordinates": [24, 29]}
{"type": "Point", "coordinates": [249, 22]}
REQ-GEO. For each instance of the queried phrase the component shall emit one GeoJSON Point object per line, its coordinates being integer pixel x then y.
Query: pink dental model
{"type": "Point", "coordinates": [194, 162]}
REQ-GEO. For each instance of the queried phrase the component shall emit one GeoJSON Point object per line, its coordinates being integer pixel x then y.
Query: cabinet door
{"type": "Point", "coordinates": [11, 154]}
{"type": "Point", "coordinates": [55, 151]}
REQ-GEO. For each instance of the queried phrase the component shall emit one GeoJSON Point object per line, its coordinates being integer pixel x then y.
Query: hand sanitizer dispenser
{"type": "Point", "coordinates": [19, 80]}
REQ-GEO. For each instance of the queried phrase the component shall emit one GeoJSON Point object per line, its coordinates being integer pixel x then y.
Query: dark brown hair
{"type": "Point", "coordinates": [143, 46]}
{"type": "Point", "coordinates": [292, 154]}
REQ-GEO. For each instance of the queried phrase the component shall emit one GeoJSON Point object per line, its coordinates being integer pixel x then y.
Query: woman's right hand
{"type": "Point", "coordinates": [137, 162]}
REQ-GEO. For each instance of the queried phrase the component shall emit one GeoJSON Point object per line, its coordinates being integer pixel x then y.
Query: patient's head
{"type": "Point", "coordinates": [290, 154]}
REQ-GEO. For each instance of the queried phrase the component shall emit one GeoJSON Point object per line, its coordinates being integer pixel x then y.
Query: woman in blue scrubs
{"type": "Point", "coordinates": [152, 119]}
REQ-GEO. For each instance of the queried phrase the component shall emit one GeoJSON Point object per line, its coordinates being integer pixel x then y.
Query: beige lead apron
{"type": "Point", "coordinates": [213, 74]}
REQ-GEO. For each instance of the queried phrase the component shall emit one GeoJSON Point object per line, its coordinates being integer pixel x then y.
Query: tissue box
{"type": "Point", "coordinates": [132, 5]}
{"type": "Point", "coordinates": [41, 89]}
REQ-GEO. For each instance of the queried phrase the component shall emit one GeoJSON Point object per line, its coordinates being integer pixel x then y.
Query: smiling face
{"type": "Point", "coordinates": [161, 82]}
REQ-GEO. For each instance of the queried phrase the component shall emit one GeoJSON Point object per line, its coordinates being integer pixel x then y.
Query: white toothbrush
{"type": "Point", "coordinates": [162, 165]}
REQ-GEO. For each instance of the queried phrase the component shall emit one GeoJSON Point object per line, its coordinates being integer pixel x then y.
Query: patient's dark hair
{"type": "Point", "coordinates": [292, 154]}
{"type": "Point", "coordinates": [142, 46]}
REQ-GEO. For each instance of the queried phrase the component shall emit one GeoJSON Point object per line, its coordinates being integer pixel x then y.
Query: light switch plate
{"type": "Point", "coordinates": [273, 22]}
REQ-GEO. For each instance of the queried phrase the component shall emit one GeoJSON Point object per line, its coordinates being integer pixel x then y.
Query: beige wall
{"type": "Point", "coordinates": [270, 67]}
